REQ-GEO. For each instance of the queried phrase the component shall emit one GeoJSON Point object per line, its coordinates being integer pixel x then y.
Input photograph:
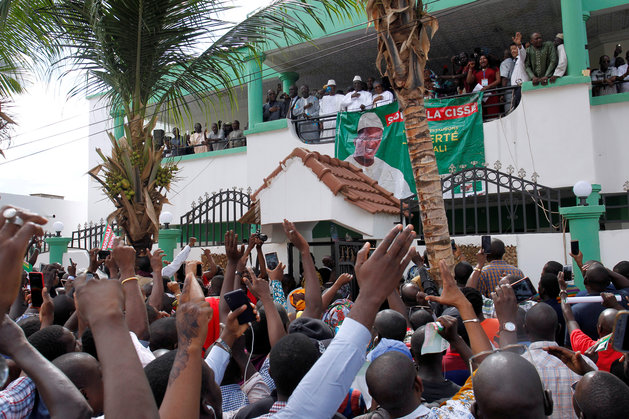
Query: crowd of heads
{"type": "Point", "coordinates": [130, 335]}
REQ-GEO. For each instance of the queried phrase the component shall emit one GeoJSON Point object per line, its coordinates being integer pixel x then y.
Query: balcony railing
{"type": "Point", "coordinates": [323, 129]}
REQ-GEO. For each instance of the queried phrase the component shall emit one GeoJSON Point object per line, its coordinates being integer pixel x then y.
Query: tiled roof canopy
{"type": "Point", "coordinates": [341, 177]}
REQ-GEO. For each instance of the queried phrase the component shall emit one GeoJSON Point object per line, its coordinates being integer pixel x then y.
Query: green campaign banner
{"type": "Point", "coordinates": [375, 140]}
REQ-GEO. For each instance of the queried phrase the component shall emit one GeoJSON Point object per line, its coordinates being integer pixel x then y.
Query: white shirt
{"type": "Point", "coordinates": [620, 71]}
{"type": "Point", "coordinates": [330, 104]}
{"type": "Point", "coordinates": [519, 75]}
{"type": "Point", "coordinates": [562, 62]}
{"type": "Point", "coordinates": [353, 103]}
{"type": "Point", "coordinates": [387, 176]}
{"type": "Point", "coordinates": [387, 97]}
{"type": "Point", "coordinates": [323, 389]}
{"type": "Point", "coordinates": [173, 267]}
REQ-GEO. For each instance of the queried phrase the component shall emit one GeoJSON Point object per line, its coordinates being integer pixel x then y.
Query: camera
{"type": "Point", "coordinates": [261, 236]}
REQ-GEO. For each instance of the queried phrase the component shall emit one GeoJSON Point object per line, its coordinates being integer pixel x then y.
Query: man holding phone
{"type": "Point", "coordinates": [497, 269]}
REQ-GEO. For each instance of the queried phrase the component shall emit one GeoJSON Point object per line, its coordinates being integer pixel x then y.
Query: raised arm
{"type": "Point", "coordinates": [213, 266]}
{"type": "Point", "coordinates": [452, 296]}
{"type": "Point", "coordinates": [261, 260]}
{"type": "Point", "coordinates": [450, 334]}
{"type": "Point", "coordinates": [127, 392]}
{"type": "Point", "coordinates": [260, 289]}
{"type": "Point", "coordinates": [328, 296]}
{"type": "Point", "coordinates": [234, 254]}
{"type": "Point", "coordinates": [506, 311]}
{"type": "Point", "coordinates": [471, 78]}
{"type": "Point", "coordinates": [135, 310]}
{"type": "Point", "coordinates": [14, 239]}
{"type": "Point", "coordinates": [571, 323]}
{"type": "Point", "coordinates": [314, 305]}
{"type": "Point", "coordinates": [62, 398]}
{"type": "Point", "coordinates": [157, 294]}
{"type": "Point", "coordinates": [181, 257]}
{"type": "Point", "coordinates": [183, 394]}
{"type": "Point", "coordinates": [481, 260]}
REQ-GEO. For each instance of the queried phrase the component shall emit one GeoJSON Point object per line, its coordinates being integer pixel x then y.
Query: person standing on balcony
{"type": "Point", "coordinates": [359, 99]}
{"type": "Point", "coordinates": [197, 139]}
{"type": "Point", "coordinates": [507, 67]}
{"type": "Point", "coordinates": [307, 108]}
{"type": "Point", "coordinates": [541, 60]}
{"type": "Point", "coordinates": [237, 137]}
{"type": "Point", "coordinates": [488, 78]}
{"type": "Point", "coordinates": [272, 110]}
{"type": "Point", "coordinates": [562, 63]}
{"type": "Point", "coordinates": [329, 106]}
{"type": "Point", "coordinates": [178, 143]}
{"type": "Point", "coordinates": [381, 97]}
{"type": "Point", "coordinates": [622, 74]}
{"type": "Point", "coordinates": [216, 138]}
{"type": "Point", "coordinates": [289, 99]}
{"type": "Point", "coordinates": [603, 78]}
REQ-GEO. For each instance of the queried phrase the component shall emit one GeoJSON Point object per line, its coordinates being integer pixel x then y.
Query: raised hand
{"type": "Point", "coordinates": [93, 253]}
{"type": "Point", "coordinates": [156, 259]}
{"type": "Point", "coordinates": [573, 360]}
{"type": "Point", "coordinates": [505, 303]}
{"type": "Point", "coordinates": [295, 238]}
{"type": "Point", "coordinates": [234, 254]}
{"type": "Point", "coordinates": [51, 275]}
{"type": "Point", "coordinates": [233, 330]}
{"type": "Point", "coordinates": [451, 294]}
{"type": "Point", "coordinates": [193, 315]}
{"type": "Point", "coordinates": [99, 300]}
{"type": "Point", "coordinates": [192, 241]}
{"type": "Point", "coordinates": [72, 268]}
{"type": "Point", "coordinates": [562, 282]}
{"type": "Point", "coordinates": [110, 263]}
{"type": "Point", "coordinates": [277, 274]}
{"type": "Point", "coordinates": [449, 331]}
{"type": "Point", "coordinates": [47, 309]}
{"type": "Point", "coordinates": [258, 287]}
{"type": "Point", "coordinates": [124, 256]}
{"type": "Point", "coordinates": [517, 39]}
{"type": "Point", "coordinates": [344, 279]}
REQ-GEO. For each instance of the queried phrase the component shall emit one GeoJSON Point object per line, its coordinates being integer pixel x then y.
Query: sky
{"type": "Point", "coordinates": [47, 119]}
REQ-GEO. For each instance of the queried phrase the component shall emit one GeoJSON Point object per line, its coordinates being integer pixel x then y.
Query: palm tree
{"type": "Point", "coordinates": [404, 33]}
{"type": "Point", "coordinates": [145, 55]}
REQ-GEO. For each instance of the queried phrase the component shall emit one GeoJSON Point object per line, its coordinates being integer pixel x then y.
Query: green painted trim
{"type": "Point", "coordinates": [562, 81]}
{"type": "Point", "coordinates": [594, 5]}
{"type": "Point", "coordinates": [206, 154]}
{"type": "Point", "coordinates": [268, 126]}
{"type": "Point", "coordinates": [607, 99]}
{"type": "Point", "coordinates": [434, 6]}
{"type": "Point", "coordinates": [581, 212]}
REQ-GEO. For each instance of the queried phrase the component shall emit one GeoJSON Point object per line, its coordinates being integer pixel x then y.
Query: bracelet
{"type": "Point", "coordinates": [477, 269]}
{"type": "Point", "coordinates": [129, 279]}
{"type": "Point", "coordinates": [471, 321]}
{"type": "Point", "coordinates": [563, 291]}
{"type": "Point", "coordinates": [223, 345]}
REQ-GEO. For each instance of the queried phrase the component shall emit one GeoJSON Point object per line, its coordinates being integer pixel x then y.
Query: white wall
{"type": "Point", "coordinates": [70, 213]}
{"type": "Point", "coordinates": [609, 127]}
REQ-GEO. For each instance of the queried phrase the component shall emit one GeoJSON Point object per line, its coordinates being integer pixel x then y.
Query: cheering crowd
{"type": "Point", "coordinates": [123, 340]}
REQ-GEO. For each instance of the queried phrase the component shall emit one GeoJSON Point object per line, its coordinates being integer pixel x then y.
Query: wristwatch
{"type": "Point", "coordinates": [508, 327]}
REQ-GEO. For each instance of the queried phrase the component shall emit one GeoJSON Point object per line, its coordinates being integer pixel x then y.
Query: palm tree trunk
{"type": "Point", "coordinates": [428, 185]}
{"type": "Point", "coordinates": [404, 33]}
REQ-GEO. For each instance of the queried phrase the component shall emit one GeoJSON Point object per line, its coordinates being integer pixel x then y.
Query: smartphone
{"type": "Point", "coordinates": [567, 272]}
{"type": "Point", "coordinates": [574, 247]}
{"type": "Point", "coordinates": [36, 281]}
{"type": "Point", "coordinates": [620, 337]}
{"type": "Point", "coordinates": [486, 244]}
{"type": "Point", "coordinates": [236, 299]}
{"type": "Point", "coordinates": [102, 254]}
{"type": "Point", "coordinates": [523, 289]}
{"type": "Point", "coordinates": [453, 244]}
{"type": "Point", "coordinates": [271, 260]}
{"type": "Point", "coordinates": [199, 270]}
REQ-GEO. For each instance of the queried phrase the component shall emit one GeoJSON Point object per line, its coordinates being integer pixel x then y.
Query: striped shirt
{"type": "Point", "coordinates": [17, 400]}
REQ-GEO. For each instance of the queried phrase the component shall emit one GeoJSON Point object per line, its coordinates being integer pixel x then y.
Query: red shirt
{"type": "Point", "coordinates": [581, 342]}
{"type": "Point", "coordinates": [214, 326]}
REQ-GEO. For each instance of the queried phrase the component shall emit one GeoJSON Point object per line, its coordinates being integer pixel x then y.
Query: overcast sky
{"type": "Point", "coordinates": [47, 118]}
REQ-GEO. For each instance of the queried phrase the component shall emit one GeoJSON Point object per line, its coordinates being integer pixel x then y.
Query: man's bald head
{"type": "Point", "coordinates": [85, 373]}
{"type": "Point", "coordinates": [390, 325]}
{"type": "Point", "coordinates": [393, 383]}
{"type": "Point", "coordinates": [606, 319]}
{"type": "Point", "coordinates": [409, 293]}
{"type": "Point", "coordinates": [541, 322]}
{"type": "Point", "coordinates": [507, 385]}
{"type": "Point", "coordinates": [419, 318]}
{"type": "Point", "coordinates": [600, 394]}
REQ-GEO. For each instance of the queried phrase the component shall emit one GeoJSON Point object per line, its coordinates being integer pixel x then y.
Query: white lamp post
{"type": "Point", "coordinates": [166, 218]}
{"type": "Point", "coordinates": [58, 227]}
{"type": "Point", "coordinates": [582, 190]}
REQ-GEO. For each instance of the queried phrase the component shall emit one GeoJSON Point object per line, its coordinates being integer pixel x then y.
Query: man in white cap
{"type": "Point", "coordinates": [366, 144]}
{"type": "Point", "coordinates": [359, 99]}
{"type": "Point", "coordinates": [562, 58]}
{"type": "Point", "coordinates": [329, 106]}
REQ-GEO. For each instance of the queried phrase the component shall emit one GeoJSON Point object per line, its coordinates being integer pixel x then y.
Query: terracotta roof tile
{"type": "Point", "coordinates": [344, 178]}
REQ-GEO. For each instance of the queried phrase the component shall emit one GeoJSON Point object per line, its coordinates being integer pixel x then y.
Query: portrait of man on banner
{"type": "Point", "coordinates": [366, 144]}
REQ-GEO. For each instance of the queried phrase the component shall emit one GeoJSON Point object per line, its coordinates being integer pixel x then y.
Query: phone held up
{"type": "Point", "coordinates": [486, 244]}
{"type": "Point", "coordinates": [620, 337]}
{"type": "Point", "coordinates": [236, 299]}
{"type": "Point", "coordinates": [574, 247]}
{"type": "Point", "coordinates": [36, 281]}
{"type": "Point", "coordinates": [271, 260]}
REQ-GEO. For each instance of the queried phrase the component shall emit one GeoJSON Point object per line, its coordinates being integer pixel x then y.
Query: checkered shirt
{"type": "Point", "coordinates": [264, 372]}
{"type": "Point", "coordinates": [493, 273]}
{"type": "Point", "coordinates": [277, 406]}
{"type": "Point", "coordinates": [17, 400]}
{"type": "Point", "coordinates": [556, 377]}
{"type": "Point", "coordinates": [233, 397]}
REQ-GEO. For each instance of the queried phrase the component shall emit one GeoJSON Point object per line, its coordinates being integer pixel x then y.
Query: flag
{"type": "Point", "coordinates": [108, 238]}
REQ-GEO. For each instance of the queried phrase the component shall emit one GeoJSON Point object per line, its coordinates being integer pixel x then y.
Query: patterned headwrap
{"type": "Point", "coordinates": [299, 304]}
{"type": "Point", "coordinates": [336, 313]}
